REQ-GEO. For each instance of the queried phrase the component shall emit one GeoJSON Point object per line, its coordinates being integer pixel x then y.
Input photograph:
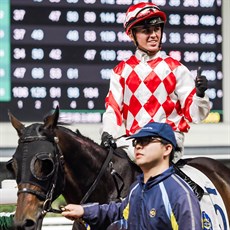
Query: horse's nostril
{"type": "Point", "coordinates": [29, 224]}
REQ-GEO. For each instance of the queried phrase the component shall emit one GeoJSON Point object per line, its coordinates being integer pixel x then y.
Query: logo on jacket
{"type": "Point", "coordinates": [207, 223]}
{"type": "Point", "coordinates": [152, 212]}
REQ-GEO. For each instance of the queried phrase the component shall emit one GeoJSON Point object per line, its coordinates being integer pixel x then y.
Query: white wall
{"type": "Point", "coordinates": [199, 135]}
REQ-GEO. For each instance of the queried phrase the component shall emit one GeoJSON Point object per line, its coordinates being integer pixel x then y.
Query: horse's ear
{"type": "Point", "coordinates": [50, 121]}
{"type": "Point", "coordinates": [16, 124]}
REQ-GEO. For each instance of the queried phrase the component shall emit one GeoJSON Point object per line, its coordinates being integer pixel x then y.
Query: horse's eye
{"type": "Point", "coordinates": [42, 166]}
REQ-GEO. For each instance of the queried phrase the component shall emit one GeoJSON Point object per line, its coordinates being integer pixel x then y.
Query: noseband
{"type": "Point", "coordinates": [58, 165]}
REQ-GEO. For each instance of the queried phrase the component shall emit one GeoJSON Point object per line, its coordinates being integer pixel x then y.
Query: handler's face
{"type": "Point", "coordinates": [149, 151]}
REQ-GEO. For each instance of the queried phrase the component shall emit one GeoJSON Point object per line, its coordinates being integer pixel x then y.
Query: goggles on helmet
{"type": "Point", "coordinates": [149, 22]}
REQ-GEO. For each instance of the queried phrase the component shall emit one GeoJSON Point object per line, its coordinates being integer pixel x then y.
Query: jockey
{"type": "Point", "coordinates": [151, 86]}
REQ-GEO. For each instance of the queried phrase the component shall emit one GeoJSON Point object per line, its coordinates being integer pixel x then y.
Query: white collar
{"type": "Point", "coordinates": [144, 57]}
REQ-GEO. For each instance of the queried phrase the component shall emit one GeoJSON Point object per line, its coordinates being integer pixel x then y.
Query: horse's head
{"type": "Point", "coordinates": [37, 165]}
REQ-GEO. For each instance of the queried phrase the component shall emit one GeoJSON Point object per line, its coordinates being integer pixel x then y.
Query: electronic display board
{"type": "Point", "coordinates": [62, 52]}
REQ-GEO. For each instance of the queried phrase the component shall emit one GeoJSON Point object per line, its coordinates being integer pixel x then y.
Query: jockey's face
{"type": "Point", "coordinates": [148, 38]}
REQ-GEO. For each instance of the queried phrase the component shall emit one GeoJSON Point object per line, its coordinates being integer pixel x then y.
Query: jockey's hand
{"type": "Point", "coordinates": [201, 83]}
{"type": "Point", "coordinates": [107, 141]}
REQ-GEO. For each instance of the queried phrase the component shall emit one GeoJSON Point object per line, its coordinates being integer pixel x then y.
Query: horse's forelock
{"type": "Point", "coordinates": [32, 130]}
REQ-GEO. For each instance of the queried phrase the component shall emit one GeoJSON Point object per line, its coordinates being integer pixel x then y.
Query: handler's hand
{"type": "Point", "coordinates": [72, 211]}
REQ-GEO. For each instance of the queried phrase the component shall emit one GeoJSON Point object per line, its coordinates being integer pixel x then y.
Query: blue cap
{"type": "Point", "coordinates": [156, 129]}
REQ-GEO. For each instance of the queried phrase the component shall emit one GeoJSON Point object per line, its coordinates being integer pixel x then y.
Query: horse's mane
{"type": "Point", "coordinates": [76, 134]}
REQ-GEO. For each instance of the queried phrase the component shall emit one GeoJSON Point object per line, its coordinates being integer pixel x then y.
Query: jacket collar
{"type": "Point", "coordinates": [144, 57]}
{"type": "Point", "coordinates": [156, 179]}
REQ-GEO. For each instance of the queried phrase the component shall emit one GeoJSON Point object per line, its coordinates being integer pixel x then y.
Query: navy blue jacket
{"type": "Point", "coordinates": [164, 202]}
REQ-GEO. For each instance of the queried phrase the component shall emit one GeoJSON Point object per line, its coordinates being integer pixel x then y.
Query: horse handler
{"type": "Point", "coordinates": [159, 199]}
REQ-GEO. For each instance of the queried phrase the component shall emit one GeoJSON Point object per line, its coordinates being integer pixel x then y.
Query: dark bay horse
{"type": "Point", "coordinates": [51, 160]}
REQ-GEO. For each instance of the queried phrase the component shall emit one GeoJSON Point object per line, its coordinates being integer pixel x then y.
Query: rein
{"type": "Point", "coordinates": [116, 176]}
{"type": "Point", "coordinates": [113, 172]}
{"type": "Point", "coordinates": [102, 170]}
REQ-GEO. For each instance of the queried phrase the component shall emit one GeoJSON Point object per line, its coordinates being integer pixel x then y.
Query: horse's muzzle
{"type": "Point", "coordinates": [28, 224]}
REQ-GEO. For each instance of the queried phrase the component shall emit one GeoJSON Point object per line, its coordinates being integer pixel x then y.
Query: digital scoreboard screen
{"type": "Point", "coordinates": [62, 52]}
